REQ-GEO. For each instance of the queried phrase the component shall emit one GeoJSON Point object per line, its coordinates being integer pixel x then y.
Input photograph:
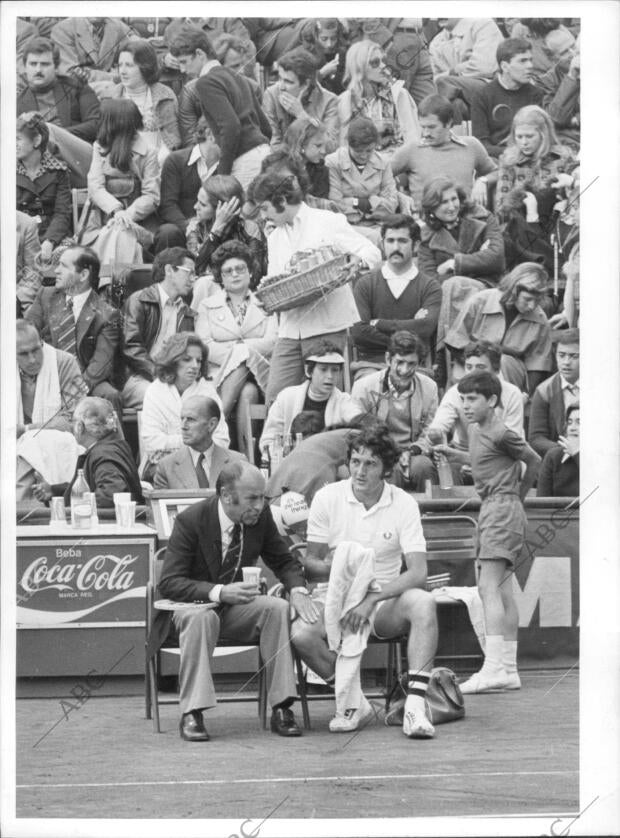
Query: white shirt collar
{"type": "Point", "coordinates": [388, 273]}
{"type": "Point", "coordinates": [208, 452]}
{"type": "Point", "coordinates": [565, 384]}
{"type": "Point", "coordinates": [226, 525]}
{"type": "Point", "coordinates": [209, 66]}
{"type": "Point", "coordinates": [384, 500]}
{"type": "Point", "coordinates": [78, 301]}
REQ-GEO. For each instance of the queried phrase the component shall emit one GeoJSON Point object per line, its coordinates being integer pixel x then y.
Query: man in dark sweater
{"type": "Point", "coordinates": [394, 296]}
{"type": "Point", "coordinates": [68, 105]}
{"type": "Point", "coordinates": [494, 106]}
{"type": "Point", "coordinates": [109, 465]}
{"type": "Point", "coordinates": [229, 104]}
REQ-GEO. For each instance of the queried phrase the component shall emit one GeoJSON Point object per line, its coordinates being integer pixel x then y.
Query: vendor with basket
{"type": "Point", "coordinates": [327, 307]}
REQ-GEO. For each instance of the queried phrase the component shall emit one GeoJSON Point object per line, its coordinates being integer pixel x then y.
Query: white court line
{"type": "Point", "coordinates": [263, 780]}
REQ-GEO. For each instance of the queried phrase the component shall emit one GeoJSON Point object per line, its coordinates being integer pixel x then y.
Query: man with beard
{"type": "Point", "coordinates": [395, 296]}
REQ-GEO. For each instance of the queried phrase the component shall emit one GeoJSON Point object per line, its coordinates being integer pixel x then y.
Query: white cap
{"type": "Point", "coordinates": [293, 508]}
{"type": "Point", "coordinates": [329, 358]}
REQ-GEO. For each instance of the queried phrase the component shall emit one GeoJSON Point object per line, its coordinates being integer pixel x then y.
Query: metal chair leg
{"type": "Point", "coordinates": [303, 693]}
{"type": "Point", "coordinates": [262, 695]}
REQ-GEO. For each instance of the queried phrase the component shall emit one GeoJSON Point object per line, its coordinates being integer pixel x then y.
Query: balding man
{"type": "Point", "coordinates": [198, 463]}
{"type": "Point", "coordinates": [108, 463]}
{"type": "Point", "coordinates": [210, 543]}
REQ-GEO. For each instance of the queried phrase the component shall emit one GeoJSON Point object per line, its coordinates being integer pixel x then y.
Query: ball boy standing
{"type": "Point", "coordinates": [495, 454]}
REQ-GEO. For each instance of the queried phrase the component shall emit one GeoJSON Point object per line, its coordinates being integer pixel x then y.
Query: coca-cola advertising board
{"type": "Point", "coordinates": [93, 583]}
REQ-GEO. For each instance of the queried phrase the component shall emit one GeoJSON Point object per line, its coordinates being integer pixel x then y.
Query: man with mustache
{"type": "Point", "coordinates": [68, 105]}
{"type": "Point", "coordinates": [395, 296]}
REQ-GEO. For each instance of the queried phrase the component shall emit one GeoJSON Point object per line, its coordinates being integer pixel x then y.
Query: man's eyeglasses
{"type": "Point", "coordinates": [238, 270]}
{"type": "Point", "coordinates": [376, 62]}
{"type": "Point", "coordinates": [191, 273]}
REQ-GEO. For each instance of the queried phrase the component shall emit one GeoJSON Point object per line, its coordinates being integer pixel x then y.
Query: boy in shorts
{"type": "Point", "coordinates": [495, 455]}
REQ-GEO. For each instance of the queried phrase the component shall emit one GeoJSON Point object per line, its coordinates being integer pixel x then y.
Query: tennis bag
{"type": "Point", "coordinates": [444, 699]}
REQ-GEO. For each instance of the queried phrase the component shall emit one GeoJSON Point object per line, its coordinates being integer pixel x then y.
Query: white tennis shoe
{"type": "Point", "coordinates": [416, 725]}
{"type": "Point", "coordinates": [485, 682]}
{"type": "Point", "coordinates": [351, 719]}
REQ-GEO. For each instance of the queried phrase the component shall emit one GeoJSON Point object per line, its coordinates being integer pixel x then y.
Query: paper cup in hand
{"type": "Point", "coordinates": [251, 574]}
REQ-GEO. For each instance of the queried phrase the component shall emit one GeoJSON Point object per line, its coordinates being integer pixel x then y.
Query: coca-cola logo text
{"type": "Point", "coordinates": [104, 572]}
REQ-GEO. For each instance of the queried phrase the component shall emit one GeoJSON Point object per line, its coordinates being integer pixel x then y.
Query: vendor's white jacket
{"type": "Point", "coordinates": [340, 410]}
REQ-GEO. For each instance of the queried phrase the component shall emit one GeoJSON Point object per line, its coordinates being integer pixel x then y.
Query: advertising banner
{"type": "Point", "coordinates": [96, 582]}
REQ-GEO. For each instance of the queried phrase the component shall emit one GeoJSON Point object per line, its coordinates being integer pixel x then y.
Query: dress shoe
{"type": "Point", "coordinates": [192, 727]}
{"type": "Point", "coordinates": [283, 722]}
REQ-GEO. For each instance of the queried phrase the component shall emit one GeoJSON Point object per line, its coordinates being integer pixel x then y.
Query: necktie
{"type": "Point", "coordinates": [203, 482]}
{"type": "Point", "coordinates": [230, 560]}
{"type": "Point", "coordinates": [66, 329]}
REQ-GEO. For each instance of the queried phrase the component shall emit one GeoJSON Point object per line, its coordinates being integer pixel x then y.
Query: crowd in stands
{"type": "Point", "coordinates": [165, 166]}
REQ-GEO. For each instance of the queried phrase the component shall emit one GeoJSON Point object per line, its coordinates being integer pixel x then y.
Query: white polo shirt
{"type": "Point", "coordinates": [392, 527]}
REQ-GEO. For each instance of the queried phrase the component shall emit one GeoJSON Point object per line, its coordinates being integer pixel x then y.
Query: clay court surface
{"type": "Point", "coordinates": [514, 753]}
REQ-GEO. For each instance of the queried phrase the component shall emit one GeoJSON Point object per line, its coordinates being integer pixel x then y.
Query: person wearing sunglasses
{"type": "Point", "coordinates": [371, 92]}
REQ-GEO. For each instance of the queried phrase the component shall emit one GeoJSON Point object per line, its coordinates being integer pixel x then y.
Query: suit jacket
{"type": "Point", "coordinates": [194, 557]}
{"type": "Point", "coordinates": [176, 470]}
{"type": "Point", "coordinates": [74, 38]}
{"type": "Point", "coordinates": [97, 332]}
{"type": "Point", "coordinates": [547, 415]}
{"type": "Point", "coordinates": [77, 107]}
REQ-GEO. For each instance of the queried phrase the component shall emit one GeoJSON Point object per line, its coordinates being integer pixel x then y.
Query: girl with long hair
{"type": "Point", "coordinates": [371, 92]}
{"type": "Point", "coordinates": [308, 142]}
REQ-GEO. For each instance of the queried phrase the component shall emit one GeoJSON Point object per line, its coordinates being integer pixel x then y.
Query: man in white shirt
{"type": "Point", "coordinates": [449, 419]}
{"type": "Point", "coordinates": [369, 511]}
{"type": "Point", "coordinates": [152, 316]}
{"type": "Point", "coordinates": [198, 463]}
{"type": "Point", "coordinates": [300, 227]}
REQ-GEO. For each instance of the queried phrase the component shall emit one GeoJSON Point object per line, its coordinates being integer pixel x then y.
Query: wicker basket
{"type": "Point", "coordinates": [300, 289]}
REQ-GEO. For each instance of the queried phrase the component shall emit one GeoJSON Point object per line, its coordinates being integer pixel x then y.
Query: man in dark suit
{"type": "Point", "coordinates": [71, 316]}
{"type": "Point", "coordinates": [554, 396]}
{"type": "Point", "coordinates": [198, 463]}
{"type": "Point", "coordinates": [210, 542]}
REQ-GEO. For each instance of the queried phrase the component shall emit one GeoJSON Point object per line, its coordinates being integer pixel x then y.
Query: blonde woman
{"type": "Point", "coordinates": [370, 91]}
{"type": "Point", "coordinates": [534, 162]}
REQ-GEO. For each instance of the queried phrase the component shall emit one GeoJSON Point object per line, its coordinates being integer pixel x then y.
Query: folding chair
{"type": "Point", "coordinates": [80, 210]}
{"type": "Point", "coordinates": [152, 662]}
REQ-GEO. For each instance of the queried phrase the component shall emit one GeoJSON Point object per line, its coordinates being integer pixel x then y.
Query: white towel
{"type": "Point", "coordinates": [52, 453]}
{"type": "Point", "coordinates": [471, 598]}
{"type": "Point", "coordinates": [47, 401]}
{"type": "Point", "coordinates": [351, 576]}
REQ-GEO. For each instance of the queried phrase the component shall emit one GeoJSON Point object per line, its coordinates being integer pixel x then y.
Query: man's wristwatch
{"type": "Point", "coordinates": [300, 590]}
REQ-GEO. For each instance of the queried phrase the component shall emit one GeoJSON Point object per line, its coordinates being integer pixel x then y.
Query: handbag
{"type": "Point", "coordinates": [444, 700]}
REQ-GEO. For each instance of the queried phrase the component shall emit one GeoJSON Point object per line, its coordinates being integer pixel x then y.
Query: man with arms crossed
{"type": "Point", "coordinates": [375, 514]}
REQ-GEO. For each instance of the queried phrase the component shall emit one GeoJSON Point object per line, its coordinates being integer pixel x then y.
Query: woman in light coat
{"type": "Point", "coordinates": [239, 334]}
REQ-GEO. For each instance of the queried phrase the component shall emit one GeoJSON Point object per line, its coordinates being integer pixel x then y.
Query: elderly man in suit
{"type": "Point", "coordinates": [554, 396]}
{"type": "Point", "coordinates": [198, 464]}
{"type": "Point", "coordinates": [71, 316]}
{"type": "Point", "coordinates": [210, 544]}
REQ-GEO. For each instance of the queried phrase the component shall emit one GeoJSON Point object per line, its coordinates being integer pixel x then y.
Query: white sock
{"type": "Point", "coordinates": [348, 683]}
{"type": "Point", "coordinates": [509, 655]}
{"type": "Point", "coordinates": [417, 685]}
{"type": "Point", "coordinates": [493, 651]}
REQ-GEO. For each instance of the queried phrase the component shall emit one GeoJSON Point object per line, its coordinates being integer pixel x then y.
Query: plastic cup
{"type": "Point", "coordinates": [82, 516]}
{"type": "Point", "coordinates": [118, 498]}
{"type": "Point", "coordinates": [58, 515]}
{"type": "Point", "coordinates": [251, 574]}
{"type": "Point", "coordinates": [126, 513]}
